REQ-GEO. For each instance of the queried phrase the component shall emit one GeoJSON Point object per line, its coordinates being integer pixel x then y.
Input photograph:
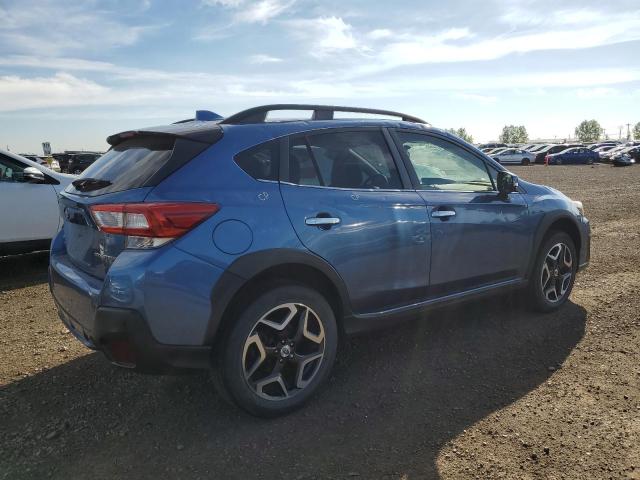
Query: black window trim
{"type": "Point", "coordinates": [412, 173]}
{"type": "Point", "coordinates": [285, 141]}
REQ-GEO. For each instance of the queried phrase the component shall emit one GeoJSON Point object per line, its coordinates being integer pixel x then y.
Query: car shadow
{"type": "Point", "coordinates": [395, 398]}
{"type": "Point", "coordinates": [18, 271]}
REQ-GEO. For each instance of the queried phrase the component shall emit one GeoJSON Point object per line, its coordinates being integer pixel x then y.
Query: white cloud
{"type": "Point", "coordinates": [474, 97]}
{"type": "Point", "coordinates": [261, 58]}
{"type": "Point", "coordinates": [262, 11]}
{"type": "Point", "coordinates": [438, 47]}
{"type": "Point", "coordinates": [62, 89]}
{"type": "Point", "coordinates": [27, 27]}
{"type": "Point", "coordinates": [597, 92]}
{"type": "Point", "coordinates": [223, 3]}
{"type": "Point", "coordinates": [380, 33]}
{"type": "Point", "coordinates": [326, 34]}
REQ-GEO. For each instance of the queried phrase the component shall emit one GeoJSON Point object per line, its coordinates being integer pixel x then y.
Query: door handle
{"type": "Point", "coordinates": [322, 221]}
{"type": "Point", "coordinates": [444, 214]}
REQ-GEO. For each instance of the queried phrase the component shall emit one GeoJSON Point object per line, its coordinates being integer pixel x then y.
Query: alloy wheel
{"type": "Point", "coordinates": [284, 351]}
{"type": "Point", "coordinates": [557, 271]}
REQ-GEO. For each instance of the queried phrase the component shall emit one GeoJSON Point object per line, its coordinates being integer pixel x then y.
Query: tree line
{"type": "Point", "coordinates": [587, 131]}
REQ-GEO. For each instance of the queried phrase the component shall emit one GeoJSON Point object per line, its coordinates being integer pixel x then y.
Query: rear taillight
{"type": "Point", "coordinates": [150, 225]}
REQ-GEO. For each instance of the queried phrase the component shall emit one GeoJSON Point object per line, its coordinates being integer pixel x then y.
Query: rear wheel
{"type": "Point", "coordinates": [279, 351]}
{"type": "Point", "coordinates": [525, 161]}
{"type": "Point", "coordinates": [554, 273]}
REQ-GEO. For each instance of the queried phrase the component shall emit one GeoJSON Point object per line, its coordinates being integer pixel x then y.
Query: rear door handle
{"type": "Point", "coordinates": [322, 221]}
{"type": "Point", "coordinates": [443, 213]}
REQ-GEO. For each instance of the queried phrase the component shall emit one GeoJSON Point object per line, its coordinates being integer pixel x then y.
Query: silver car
{"type": "Point", "coordinates": [514, 155]}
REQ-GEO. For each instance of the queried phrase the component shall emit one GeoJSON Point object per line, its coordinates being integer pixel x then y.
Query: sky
{"type": "Point", "coordinates": [73, 72]}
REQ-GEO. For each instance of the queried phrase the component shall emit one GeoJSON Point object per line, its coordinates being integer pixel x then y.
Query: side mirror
{"type": "Point", "coordinates": [33, 175]}
{"type": "Point", "coordinates": [507, 183]}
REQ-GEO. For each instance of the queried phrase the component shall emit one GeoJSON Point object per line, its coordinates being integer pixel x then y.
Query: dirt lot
{"type": "Point", "coordinates": [487, 390]}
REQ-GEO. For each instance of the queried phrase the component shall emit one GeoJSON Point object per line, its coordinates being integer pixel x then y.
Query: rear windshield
{"type": "Point", "coordinates": [128, 165]}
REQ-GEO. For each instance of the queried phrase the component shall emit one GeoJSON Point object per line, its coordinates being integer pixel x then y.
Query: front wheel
{"type": "Point", "coordinates": [554, 273]}
{"type": "Point", "coordinates": [279, 351]}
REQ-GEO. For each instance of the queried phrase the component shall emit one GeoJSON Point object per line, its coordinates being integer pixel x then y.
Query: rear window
{"type": "Point", "coordinates": [137, 162]}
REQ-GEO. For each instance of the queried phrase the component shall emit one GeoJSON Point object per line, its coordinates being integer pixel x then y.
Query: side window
{"type": "Point", "coordinates": [10, 170]}
{"type": "Point", "coordinates": [303, 169]}
{"type": "Point", "coordinates": [442, 165]}
{"type": "Point", "coordinates": [358, 159]}
{"type": "Point", "coordinates": [260, 162]}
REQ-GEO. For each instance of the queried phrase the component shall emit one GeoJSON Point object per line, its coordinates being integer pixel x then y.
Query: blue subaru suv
{"type": "Point", "coordinates": [249, 245]}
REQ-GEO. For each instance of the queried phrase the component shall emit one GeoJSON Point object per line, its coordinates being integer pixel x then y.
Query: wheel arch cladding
{"type": "Point", "coordinates": [261, 270]}
{"type": "Point", "coordinates": [555, 223]}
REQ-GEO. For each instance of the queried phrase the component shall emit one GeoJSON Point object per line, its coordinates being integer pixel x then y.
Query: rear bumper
{"type": "Point", "coordinates": [125, 339]}
{"type": "Point", "coordinates": [123, 333]}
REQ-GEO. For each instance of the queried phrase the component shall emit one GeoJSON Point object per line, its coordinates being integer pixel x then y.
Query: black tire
{"type": "Point", "coordinates": [231, 365]}
{"type": "Point", "coordinates": [525, 161]}
{"type": "Point", "coordinates": [538, 300]}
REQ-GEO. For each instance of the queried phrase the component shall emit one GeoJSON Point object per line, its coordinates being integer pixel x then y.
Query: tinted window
{"type": "Point", "coordinates": [260, 162]}
{"type": "Point", "coordinates": [10, 170]}
{"type": "Point", "coordinates": [130, 164]}
{"type": "Point", "coordinates": [344, 160]}
{"type": "Point", "coordinates": [442, 165]}
{"type": "Point", "coordinates": [303, 169]}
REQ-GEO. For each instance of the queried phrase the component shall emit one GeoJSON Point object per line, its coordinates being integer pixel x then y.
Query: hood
{"type": "Point", "coordinates": [537, 190]}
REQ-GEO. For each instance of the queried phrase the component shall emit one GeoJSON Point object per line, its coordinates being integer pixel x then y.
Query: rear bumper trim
{"type": "Point", "coordinates": [112, 324]}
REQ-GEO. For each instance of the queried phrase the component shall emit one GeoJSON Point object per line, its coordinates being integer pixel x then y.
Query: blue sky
{"type": "Point", "coordinates": [73, 72]}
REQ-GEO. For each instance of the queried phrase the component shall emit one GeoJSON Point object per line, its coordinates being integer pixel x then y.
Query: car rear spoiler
{"type": "Point", "coordinates": [205, 132]}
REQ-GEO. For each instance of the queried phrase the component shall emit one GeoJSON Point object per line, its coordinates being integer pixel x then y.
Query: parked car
{"type": "Point", "coordinates": [608, 155]}
{"type": "Point", "coordinates": [623, 161]}
{"type": "Point", "coordinates": [604, 148]}
{"type": "Point", "coordinates": [48, 162]}
{"type": "Point", "coordinates": [537, 148]}
{"type": "Point", "coordinates": [548, 150]}
{"type": "Point", "coordinates": [249, 246]}
{"type": "Point", "coordinates": [514, 155]}
{"type": "Point", "coordinates": [493, 151]}
{"type": "Point", "coordinates": [572, 156]}
{"type": "Point", "coordinates": [628, 155]}
{"type": "Point", "coordinates": [28, 194]}
{"type": "Point", "coordinates": [599, 145]}
{"type": "Point", "coordinates": [79, 162]}
{"type": "Point", "coordinates": [492, 145]}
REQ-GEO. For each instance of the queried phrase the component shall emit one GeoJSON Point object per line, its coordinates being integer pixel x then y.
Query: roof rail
{"type": "Point", "coordinates": [320, 112]}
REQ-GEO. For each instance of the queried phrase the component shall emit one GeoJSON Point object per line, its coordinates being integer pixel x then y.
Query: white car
{"type": "Point", "coordinates": [29, 215]}
{"type": "Point", "coordinates": [514, 155]}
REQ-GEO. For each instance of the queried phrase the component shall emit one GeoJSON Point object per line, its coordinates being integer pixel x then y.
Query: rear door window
{"type": "Point", "coordinates": [353, 159]}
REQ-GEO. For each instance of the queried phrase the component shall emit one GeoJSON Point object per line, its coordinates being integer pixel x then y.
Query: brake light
{"type": "Point", "coordinates": [151, 224]}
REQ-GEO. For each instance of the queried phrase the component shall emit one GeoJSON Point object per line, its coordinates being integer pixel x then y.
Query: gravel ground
{"type": "Point", "coordinates": [484, 390]}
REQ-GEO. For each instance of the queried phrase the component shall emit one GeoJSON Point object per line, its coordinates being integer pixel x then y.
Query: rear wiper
{"type": "Point", "coordinates": [90, 184]}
